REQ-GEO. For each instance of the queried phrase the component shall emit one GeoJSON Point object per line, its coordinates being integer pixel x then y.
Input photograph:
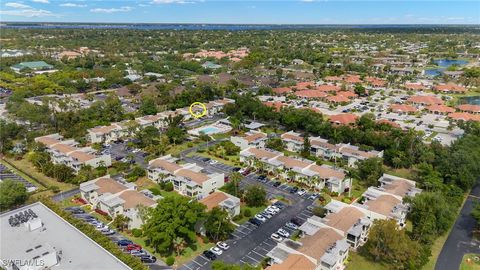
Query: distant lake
{"type": "Point", "coordinates": [474, 100]}
{"type": "Point", "coordinates": [444, 64]}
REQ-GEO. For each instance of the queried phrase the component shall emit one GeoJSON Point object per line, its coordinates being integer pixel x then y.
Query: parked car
{"type": "Point", "coordinates": [294, 190]}
{"type": "Point", "coordinates": [216, 250]}
{"type": "Point", "coordinates": [267, 215]}
{"type": "Point", "coordinates": [236, 169]}
{"type": "Point", "coordinates": [276, 237]}
{"type": "Point", "coordinates": [255, 221]}
{"type": "Point", "coordinates": [205, 159]}
{"type": "Point", "coordinates": [223, 245]}
{"type": "Point", "coordinates": [302, 192]}
{"type": "Point", "coordinates": [148, 259]}
{"type": "Point", "coordinates": [313, 197]}
{"type": "Point", "coordinates": [277, 184]}
{"type": "Point", "coordinates": [138, 253]}
{"type": "Point", "coordinates": [260, 217]}
{"type": "Point", "coordinates": [291, 226]}
{"type": "Point", "coordinates": [210, 255]}
{"type": "Point", "coordinates": [108, 232]}
{"type": "Point", "coordinates": [274, 208]}
{"type": "Point", "coordinates": [124, 242]}
{"type": "Point", "coordinates": [213, 162]}
{"type": "Point", "coordinates": [279, 205]}
{"type": "Point", "coordinates": [283, 233]}
{"type": "Point", "coordinates": [296, 221]}
{"type": "Point", "coordinates": [133, 247]}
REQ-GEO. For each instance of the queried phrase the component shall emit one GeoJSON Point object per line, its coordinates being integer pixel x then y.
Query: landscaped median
{"type": "Point", "coordinates": [470, 262]}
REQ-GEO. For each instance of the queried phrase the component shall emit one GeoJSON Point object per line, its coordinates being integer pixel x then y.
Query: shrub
{"type": "Point", "coordinates": [155, 191]}
{"type": "Point", "coordinates": [169, 186]}
{"type": "Point", "coordinates": [137, 232]}
{"type": "Point", "coordinates": [170, 261]}
{"type": "Point", "coordinates": [54, 189]}
{"type": "Point", "coordinates": [247, 212]}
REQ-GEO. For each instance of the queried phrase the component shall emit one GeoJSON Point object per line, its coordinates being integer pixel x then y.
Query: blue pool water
{"type": "Point", "coordinates": [210, 130]}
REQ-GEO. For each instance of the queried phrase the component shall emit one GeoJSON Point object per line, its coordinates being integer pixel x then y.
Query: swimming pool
{"type": "Point", "coordinates": [209, 130]}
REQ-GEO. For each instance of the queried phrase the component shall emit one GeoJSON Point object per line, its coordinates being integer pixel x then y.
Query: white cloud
{"type": "Point", "coordinates": [16, 5]}
{"type": "Point", "coordinates": [171, 2]}
{"type": "Point", "coordinates": [41, 1]}
{"type": "Point", "coordinates": [111, 10]}
{"type": "Point", "coordinates": [72, 5]}
{"type": "Point", "coordinates": [30, 12]}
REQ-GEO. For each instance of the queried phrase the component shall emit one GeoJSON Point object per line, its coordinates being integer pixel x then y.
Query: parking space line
{"type": "Point", "coordinates": [238, 231]}
{"type": "Point", "coordinates": [196, 262]}
{"type": "Point", "coordinates": [263, 256]}
{"type": "Point", "coordinates": [186, 265]}
{"type": "Point", "coordinates": [256, 261]}
{"type": "Point", "coordinates": [239, 237]}
{"type": "Point", "coordinates": [263, 249]}
{"type": "Point", "coordinates": [201, 256]}
{"type": "Point", "coordinates": [270, 245]}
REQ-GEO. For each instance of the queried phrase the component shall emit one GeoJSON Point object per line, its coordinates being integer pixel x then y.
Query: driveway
{"type": "Point", "coordinates": [460, 242]}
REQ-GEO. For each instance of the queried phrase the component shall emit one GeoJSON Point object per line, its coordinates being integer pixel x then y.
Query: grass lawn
{"type": "Point", "coordinates": [404, 173]}
{"type": "Point", "coordinates": [358, 189]}
{"type": "Point", "coordinates": [358, 262]}
{"type": "Point", "coordinates": [232, 160]}
{"type": "Point", "coordinates": [25, 168]}
{"type": "Point", "coordinates": [470, 262]}
{"type": "Point", "coordinates": [254, 211]}
{"type": "Point", "coordinates": [145, 183]}
{"type": "Point", "coordinates": [176, 149]}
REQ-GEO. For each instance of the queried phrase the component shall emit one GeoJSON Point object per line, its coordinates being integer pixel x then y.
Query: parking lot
{"type": "Point", "coordinates": [120, 151]}
{"type": "Point", "coordinates": [250, 243]}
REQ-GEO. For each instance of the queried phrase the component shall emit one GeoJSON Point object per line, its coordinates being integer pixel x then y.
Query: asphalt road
{"type": "Point", "coordinates": [66, 194]}
{"type": "Point", "coordinates": [459, 240]}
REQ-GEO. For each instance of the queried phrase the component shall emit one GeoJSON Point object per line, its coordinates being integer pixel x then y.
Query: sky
{"type": "Point", "coordinates": [243, 12]}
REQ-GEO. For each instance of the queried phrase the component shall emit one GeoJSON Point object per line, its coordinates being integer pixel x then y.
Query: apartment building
{"type": "Point", "coordinates": [322, 248]}
{"type": "Point", "coordinates": [106, 134]}
{"type": "Point", "coordinates": [300, 170]}
{"type": "Point", "coordinates": [188, 179]}
{"type": "Point", "coordinates": [223, 200]}
{"type": "Point", "coordinates": [117, 197]}
{"type": "Point", "coordinates": [251, 138]}
{"type": "Point", "coordinates": [66, 152]}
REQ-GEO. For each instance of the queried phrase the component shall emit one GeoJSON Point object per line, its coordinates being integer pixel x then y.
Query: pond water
{"type": "Point", "coordinates": [444, 64]}
{"type": "Point", "coordinates": [474, 100]}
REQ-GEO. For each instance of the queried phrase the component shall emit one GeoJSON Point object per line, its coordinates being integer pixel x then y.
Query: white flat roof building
{"type": "Point", "coordinates": [34, 237]}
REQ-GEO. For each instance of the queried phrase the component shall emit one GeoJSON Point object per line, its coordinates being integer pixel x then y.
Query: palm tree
{"type": "Point", "coordinates": [179, 245]}
{"type": "Point", "coordinates": [291, 175]}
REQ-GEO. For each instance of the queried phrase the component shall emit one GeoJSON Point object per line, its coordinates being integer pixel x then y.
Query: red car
{"type": "Point", "coordinates": [134, 247]}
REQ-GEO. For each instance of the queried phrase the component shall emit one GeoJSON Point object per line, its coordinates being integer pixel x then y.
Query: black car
{"type": "Point", "coordinates": [294, 190]}
{"type": "Point", "coordinates": [210, 255]}
{"type": "Point", "coordinates": [206, 159]}
{"type": "Point", "coordinates": [255, 221]}
{"type": "Point", "coordinates": [124, 242]}
{"type": "Point", "coordinates": [277, 184]}
{"type": "Point", "coordinates": [236, 169]}
{"type": "Point", "coordinates": [296, 221]}
{"type": "Point", "coordinates": [148, 259]}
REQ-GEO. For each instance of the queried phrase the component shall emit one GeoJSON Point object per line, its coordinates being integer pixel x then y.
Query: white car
{"type": "Point", "coordinates": [212, 162]}
{"type": "Point", "coordinates": [216, 250]}
{"type": "Point", "coordinates": [283, 233]}
{"type": "Point", "coordinates": [274, 208]}
{"type": "Point", "coordinates": [301, 192]}
{"type": "Point", "coordinates": [260, 217]}
{"type": "Point", "coordinates": [223, 245]}
{"type": "Point", "coordinates": [276, 237]}
{"type": "Point", "coordinates": [270, 211]}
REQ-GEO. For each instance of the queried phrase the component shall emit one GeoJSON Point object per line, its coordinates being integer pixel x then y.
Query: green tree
{"type": "Point", "coordinates": [148, 106]}
{"type": "Point", "coordinates": [120, 222]}
{"type": "Point", "coordinates": [174, 216]}
{"type": "Point", "coordinates": [12, 194]}
{"type": "Point", "coordinates": [275, 143]}
{"type": "Point", "coordinates": [255, 195]}
{"type": "Point", "coordinates": [217, 224]}
{"type": "Point", "coordinates": [369, 170]}
{"type": "Point", "coordinates": [305, 153]}
{"type": "Point", "coordinates": [387, 244]}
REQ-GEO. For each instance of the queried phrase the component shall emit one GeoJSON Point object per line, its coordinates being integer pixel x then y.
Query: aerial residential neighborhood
{"type": "Point", "coordinates": [275, 135]}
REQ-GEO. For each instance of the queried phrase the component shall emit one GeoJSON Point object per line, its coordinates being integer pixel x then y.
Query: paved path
{"type": "Point", "coordinates": [459, 241]}
{"type": "Point", "coordinates": [66, 194]}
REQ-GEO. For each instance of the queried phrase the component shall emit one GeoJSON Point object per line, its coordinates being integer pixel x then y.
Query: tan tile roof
{"type": "Point", "coordinates": [255, 136]}
{"type": "Point", "coordinates": [344, 219]}
{"type": "Point", "coordinates": [64, 148]}
{"type": "Point", "coordinates": [47, 141]}
{"type": "Point", "coordinates": [383, 204]}
{"type": "Point", "coordinates": [291, 136]}
{"type": "Point", "coordinates": [103, 129]}
{"type": "Point", "coordinates": [133, 198]}
{"type": "Point", "coordinates": [214, 199]}
{"type": "Point", "coordinates": [292, 162]}
{"type": "Point", "coordinates": [293, 262]}
{"type": "Point", "coordinates": [316, 245]}
{"type": "Point", "coordinates": [326, 172]}
{"type": "Point", "coordinates": [260, 153]}
{"type": "Point", "coordinates": [398, 187]}
{"type": "Point", "coordinates": [109, 185]}
{"type": "Point", "coordinates": [81, 156]}
{"type": "Point", "coordinates": [165, 165]}
{"type": "Point", "coordinates": [196, 177]}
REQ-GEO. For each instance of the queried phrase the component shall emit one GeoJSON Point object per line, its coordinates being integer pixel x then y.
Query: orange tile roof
{"type": "Point", "coordinates": [450, 87]}
{"type": "Point", "coordinates": [277, 105]}
{"type": "Point", "coordinates": [338, 99]}
{"type": "Point", "coordinates": [464, 116]}
{"type": "Point", "coordinates": [333, 78]}
{"type": "Point", "coordinates": [388, 122]}
{"type": "Point", "coordinates": [402, 108]}
{"type": "Point", "coordinates": [428, 100]}
{"type": "Point", "coordinates": [328, 88]}
{"type": "Point", "coordinates": [348, 94]}
{"type": "Point", "coordinates": [415, 86]}
{"type": "Point", "coordinates": [310, 94]}
{"type": "Point", "coordinates": [469, 108]}
{"type": "Point", "coordinates": [282, 90]}
{"type": "Point", "coordinates": [343, 118]}
{"type": "Point", "coordinates": [214, 199]}
{"type": "Point", "coordinates": [352, 79]}
{"type": "Point", "coordinates": [303, 85]}
{"type": "Point", "coordinates": [440, 108]}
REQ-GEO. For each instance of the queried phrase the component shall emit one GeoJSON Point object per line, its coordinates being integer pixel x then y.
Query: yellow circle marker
{"type": "Point", "coordinates": [198, 114]}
